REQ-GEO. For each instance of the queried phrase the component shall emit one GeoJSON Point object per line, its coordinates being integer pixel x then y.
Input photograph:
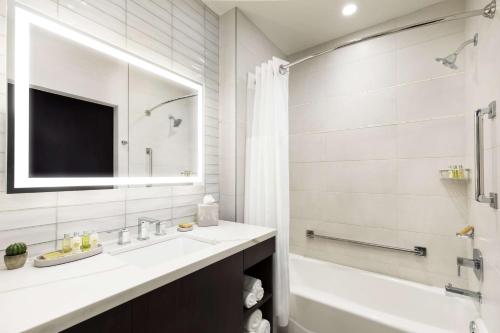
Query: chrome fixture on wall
{"type": "Point", "coordinates": [464, 292]}
{"type": "Point", "coordinates": [450, 60]}
{"type": "Point", "coordinates": [476, 263]}
{"type": "Point", "coordinates": [417, 250]}
{"type": "Point", "coordinates": [480, 196]}
{"type": "Point", "coordinates": [488, 12]}
{"type": "Point", "coordinates": [148, 111]}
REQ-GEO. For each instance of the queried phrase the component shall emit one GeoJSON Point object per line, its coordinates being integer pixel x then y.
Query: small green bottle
{"type": "Point", "coordinates": [85, 241]}
{"type": "Point", "coordinates": [66, 243]}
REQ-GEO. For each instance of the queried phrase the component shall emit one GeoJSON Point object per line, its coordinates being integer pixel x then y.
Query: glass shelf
{"type": "Point", "coordinates": [450, 174]}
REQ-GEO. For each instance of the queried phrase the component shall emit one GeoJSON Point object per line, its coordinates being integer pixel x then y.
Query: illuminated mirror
{"type": "Point", "coordinates": [83, 113]}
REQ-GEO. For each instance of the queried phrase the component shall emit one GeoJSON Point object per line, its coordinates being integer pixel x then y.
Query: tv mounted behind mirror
{"type": "Point", "coordinates": [83, 114]}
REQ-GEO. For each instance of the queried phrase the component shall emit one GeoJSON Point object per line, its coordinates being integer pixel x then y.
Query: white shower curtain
{"type": "Point", "coordinates": [266, 168]}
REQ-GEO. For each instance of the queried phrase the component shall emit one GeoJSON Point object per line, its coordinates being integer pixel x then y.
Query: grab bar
{"type": "Point", "coordinates": [417, 250]}
{"type": "Point", "coordinates": [490, 111]}
{"type": "Point", "coordinates": [149, 162]}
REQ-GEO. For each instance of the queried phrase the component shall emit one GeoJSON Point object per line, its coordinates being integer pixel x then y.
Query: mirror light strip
{"type": "Point", "coordinates": [23, 20]}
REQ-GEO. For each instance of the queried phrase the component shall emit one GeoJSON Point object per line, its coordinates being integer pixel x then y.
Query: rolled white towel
{"type": "Point", "coordinates": [249, 299]}
{"type": "Point", "coordinates": [253, 321]}
{"type": "Point", "coordinates": [251, 284]}
{"type": "Point", "coordinates": [264, 327]}
{"type": "Point", "coordinates": [259, 294]}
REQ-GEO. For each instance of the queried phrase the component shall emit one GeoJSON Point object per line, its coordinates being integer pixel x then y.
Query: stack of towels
{"type": "Point", "coordinates": [255, 323]}
{"type": "Point", "coordinates": [252, 291]}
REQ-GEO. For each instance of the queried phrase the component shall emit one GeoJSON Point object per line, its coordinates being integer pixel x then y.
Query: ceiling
{"type": "Point", "coordinates": [295, 25]}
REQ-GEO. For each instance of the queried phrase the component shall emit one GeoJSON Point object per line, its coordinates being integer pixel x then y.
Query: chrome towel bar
{"type": "Point", "coordinates": [417, 250]}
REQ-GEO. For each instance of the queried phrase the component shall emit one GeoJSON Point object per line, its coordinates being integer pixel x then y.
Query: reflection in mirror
{"type": "Point", "coordinates": [78, 109]}
{"type": "Point", "coordinates": [89, 114]}
{"type": "Point", "coordinates": [162, 130]}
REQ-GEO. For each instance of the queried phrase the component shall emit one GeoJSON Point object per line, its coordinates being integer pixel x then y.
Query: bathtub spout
{"type": "Point", "coordinates": [454, 290]}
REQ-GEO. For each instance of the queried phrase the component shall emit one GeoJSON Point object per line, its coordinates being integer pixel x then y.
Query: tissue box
{"type": "Point", "coordinates": [208, 215]}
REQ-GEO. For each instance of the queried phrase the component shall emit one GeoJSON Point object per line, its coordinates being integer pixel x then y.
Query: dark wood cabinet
{"type": "Point", "coordinates": [208, 300]}
{"type": "Point", "coordinates": [118, 319]}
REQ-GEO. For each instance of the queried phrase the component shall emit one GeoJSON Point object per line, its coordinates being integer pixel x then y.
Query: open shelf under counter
{"type": "Point", "coordinates": [264, 300]}
{"type": "Point", "coordinates": [258, 263]}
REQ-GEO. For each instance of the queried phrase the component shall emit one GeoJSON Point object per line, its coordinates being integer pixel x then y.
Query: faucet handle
{"type": "Point", "coordinates": [160, 231]}
{"type": "Point", "coordinates": [476, 263]}
{"type": "Point", "coordinates": [123, 236]}
{"type": "Point", "coordinates": [460, 263]}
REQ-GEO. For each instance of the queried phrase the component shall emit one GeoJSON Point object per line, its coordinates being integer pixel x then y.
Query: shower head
{"type": "Point", "coordinates": [176, 122]}
{"type": "Point", "coordinates": [450, 60]}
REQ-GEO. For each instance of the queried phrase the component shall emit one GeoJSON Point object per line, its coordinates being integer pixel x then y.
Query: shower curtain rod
{"type": "Point", "coordinates": [488, 11]}
{"type": "Point", "coordinates": [148, 111]}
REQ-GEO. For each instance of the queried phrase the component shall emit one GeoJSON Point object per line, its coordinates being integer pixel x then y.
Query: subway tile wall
{"type": "Point", "coordinates": [370, 126]}
{"type": "Point", "coordinates": [182, 35]}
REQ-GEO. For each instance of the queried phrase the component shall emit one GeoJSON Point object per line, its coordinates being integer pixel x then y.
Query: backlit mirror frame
{"type": "Point", "coordinates": [24, 19]}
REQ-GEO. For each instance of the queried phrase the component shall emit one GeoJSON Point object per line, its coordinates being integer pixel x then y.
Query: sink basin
{"type": "Point", "coordinates": [152, 255]}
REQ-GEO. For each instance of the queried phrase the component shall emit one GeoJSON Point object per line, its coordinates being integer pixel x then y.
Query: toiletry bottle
{"type": "Point", "coordinates": [94, 239]}
{"type": "Point", "coordinates": [66, 243]}
{"type": "Point", "coordinates": [450, 171]}
{"type": "Point", "coordinates": [85, 240]}
{"type": "Point", "coordinates": [461, 173]}
{"type": "Point", "coordinates": [76, 242]}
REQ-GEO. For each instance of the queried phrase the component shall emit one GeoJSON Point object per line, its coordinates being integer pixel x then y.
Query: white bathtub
{"type": "Point", "coordinates": [330, 298]}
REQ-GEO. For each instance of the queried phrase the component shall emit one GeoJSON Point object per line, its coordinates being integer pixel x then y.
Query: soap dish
{"type": "Point", "coordinates": [184, 229]}
{"type": "Point", "coordinates": [41, 261]}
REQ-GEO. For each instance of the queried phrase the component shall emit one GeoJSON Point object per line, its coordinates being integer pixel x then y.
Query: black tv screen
{"type": "Point", "coordinates": [69, 137]}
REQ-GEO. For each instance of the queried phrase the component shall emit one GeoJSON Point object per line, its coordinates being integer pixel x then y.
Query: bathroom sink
{"type": "Point", "coordinates": [157, 253]}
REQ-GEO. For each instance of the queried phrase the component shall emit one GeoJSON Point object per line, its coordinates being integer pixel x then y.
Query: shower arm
{"type": "Point", "coordinates": [488, 12]}
{"type": "Point", "coordinates": [148, 111]}
{"type": "Point", "coordinates": [467, 42]}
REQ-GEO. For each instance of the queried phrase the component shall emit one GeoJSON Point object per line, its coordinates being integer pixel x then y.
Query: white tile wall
{"type": "Point", "coordinates": [371, 125]}
{"type": "Point", "coordinates": [179, 34]}
{"type": "Point", "coordinates": [482, 72]}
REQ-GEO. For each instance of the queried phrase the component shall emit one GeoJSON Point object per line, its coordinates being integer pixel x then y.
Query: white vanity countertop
{"type": "Point", "coordinates": [54, 298]}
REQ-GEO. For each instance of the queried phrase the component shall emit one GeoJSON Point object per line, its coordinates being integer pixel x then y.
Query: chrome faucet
{"type": "Point", "coordinates": [473, 294]}
{"type": "Point", "coordinates": [476, 263]}
{"type": "Point", "coordinates": [143, 227]}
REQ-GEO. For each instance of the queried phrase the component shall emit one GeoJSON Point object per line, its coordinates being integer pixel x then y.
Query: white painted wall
{"type": "Point", "coordinates": [244, 48]}
{"type": "Point", "coordinates": [253, 48]}
{"type": "Point", "coordinates": [182, 35]}
{"type": "Point", "coordinates": [371, 125]}
{"type": "Point", "coordinates": [227, 148]}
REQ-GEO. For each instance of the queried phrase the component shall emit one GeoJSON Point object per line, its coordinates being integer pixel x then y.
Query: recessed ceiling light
{"type": "Point", "coordinates": [349, 9]}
